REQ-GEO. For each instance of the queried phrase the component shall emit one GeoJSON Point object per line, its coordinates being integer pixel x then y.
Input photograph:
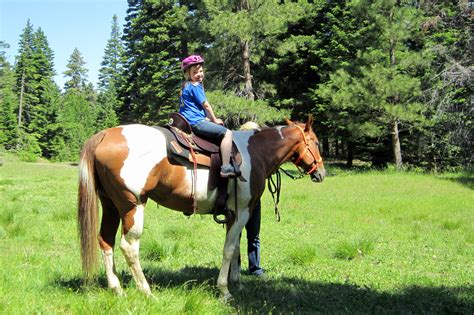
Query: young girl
{"type": "Point", "coordinates": [198, 112]}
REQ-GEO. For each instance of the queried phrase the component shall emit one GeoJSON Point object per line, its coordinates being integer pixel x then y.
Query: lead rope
{"type": "Point", "coordinates": [275, 188]}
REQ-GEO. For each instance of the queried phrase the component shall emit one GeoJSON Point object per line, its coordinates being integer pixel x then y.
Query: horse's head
{"type": "Point", "coordinates": [306, 154]}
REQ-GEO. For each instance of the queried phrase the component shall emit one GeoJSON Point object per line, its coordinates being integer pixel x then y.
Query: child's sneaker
{"type": "Point", "coordinates": [227, 170]}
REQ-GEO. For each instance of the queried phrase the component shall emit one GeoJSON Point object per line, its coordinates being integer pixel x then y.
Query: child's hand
{"type": "Point", "coordinates": [219, 121]}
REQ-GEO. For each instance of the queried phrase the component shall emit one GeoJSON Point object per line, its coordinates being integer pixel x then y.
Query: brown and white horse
{"type": "Point", "coordinates": [127, 165]}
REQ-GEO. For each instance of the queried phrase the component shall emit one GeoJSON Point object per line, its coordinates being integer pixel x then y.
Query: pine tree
{"type": "Point", "coordinates": [384, 90]}
{"type": "Point", "coordinates": [76, 72]}
{"type": "Point", "coordinates": [34, 72]}
{"type": "Point", "coordinates": [77, 115]}
{"type": "Point", "coordinates": [152, 38]}
{"type": "Point", "coordinates": [43, 113]}
{"type": "Point", "coordinates": [8, 103]}
{"type": "Point", "coordinates": [25, 72]}
{"type": "Point", "coordinates": [111, 71]}
{"type": "Point", "coordinates": [242, 30]}
{"type": "Point", "coordinates": [110, 79]}
{"type": "Point", "coordinates": [107, 109]}
{"type": "Point", "coordinates": [76, 123]}
{"type": "Point", "coordinates": [448, 85]}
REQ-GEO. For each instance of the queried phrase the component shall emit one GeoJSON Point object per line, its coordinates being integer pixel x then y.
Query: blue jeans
{"type": "Point", "coordinates": [210, 131]}
{"type": "Point", "coordinates": [253, 240]}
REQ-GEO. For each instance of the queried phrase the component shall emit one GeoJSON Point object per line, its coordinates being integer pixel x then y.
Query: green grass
{"type": "Point", "coordinates": [351, 249]}
{"type": "Point", "coordinates": [360, 242]}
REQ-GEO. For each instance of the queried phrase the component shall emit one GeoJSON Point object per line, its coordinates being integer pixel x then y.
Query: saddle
{"type": "Point", "coordinates": [183, 143]}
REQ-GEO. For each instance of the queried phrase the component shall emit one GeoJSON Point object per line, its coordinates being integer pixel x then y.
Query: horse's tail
{"type": "Point", "coordinates": [87, 211]}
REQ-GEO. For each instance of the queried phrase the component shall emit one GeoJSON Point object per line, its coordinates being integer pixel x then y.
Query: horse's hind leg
{"type": "Point", "coordinates": [108, 231]}
{"type": "Point", "coordinates": [132, 224]}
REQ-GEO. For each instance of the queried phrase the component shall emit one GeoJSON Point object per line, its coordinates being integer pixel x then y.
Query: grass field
{"type": "Point", "coordinates": [360, 242]}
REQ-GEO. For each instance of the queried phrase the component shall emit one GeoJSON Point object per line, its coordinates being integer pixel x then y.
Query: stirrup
{"type": "Point", "coordinates": [227, 170]}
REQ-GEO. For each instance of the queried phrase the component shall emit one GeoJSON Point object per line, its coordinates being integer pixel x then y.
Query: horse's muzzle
{"type": "Point", "coordinates": [317, 177]}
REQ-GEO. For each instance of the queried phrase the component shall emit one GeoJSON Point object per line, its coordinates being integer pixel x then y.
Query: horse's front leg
{"type": "Point", "coordinates": [231, 252]}
{"type": "Point", "coordinates": [130, 246]}
{"type": "Point", "coordinates": [235, 264]}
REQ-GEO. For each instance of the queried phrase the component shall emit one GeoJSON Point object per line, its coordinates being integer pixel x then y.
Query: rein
{"type": "Point", "coordinates": [300, 174]}
{"type": "Point", "coordinates": [275, 187]}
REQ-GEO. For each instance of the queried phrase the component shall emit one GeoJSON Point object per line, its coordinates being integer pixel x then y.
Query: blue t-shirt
{"type": "Point", "coordinates": [192, 99]}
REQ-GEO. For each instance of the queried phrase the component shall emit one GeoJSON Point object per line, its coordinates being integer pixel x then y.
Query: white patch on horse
{"type": "Point", "coordinates": [113, 281]}
{"type": "Point", "coordinates": [130, 246]}
{"type": "Point", "coordinates": [147, 147]}
{"type": "Point", "coordinates": [205, 198]}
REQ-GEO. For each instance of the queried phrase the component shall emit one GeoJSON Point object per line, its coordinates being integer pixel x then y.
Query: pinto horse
{"type": "Point", "coordinates": [127, 165]}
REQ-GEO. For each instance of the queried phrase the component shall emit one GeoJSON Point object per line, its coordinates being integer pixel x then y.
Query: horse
{"type": "Point", "coordinates": [125, 166]}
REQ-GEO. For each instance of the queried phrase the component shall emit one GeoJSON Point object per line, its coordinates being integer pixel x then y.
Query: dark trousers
{"type": "Point", "coordinates": [253, 240]}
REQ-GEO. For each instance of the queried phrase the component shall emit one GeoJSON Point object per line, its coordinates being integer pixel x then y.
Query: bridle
{"type": "Point", "coordinates": [302, 154]}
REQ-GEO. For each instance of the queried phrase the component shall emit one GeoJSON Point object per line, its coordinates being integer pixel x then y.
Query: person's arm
{"type": "Point", "coordinates": [210, 113]}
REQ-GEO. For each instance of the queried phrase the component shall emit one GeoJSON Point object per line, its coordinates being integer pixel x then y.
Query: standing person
{"type": "Point", "coordinates": [253, 241]}
{"type": "Point", "coordinates": [199, 113]}
{"type": "Point", "coordinates": [253, 226]}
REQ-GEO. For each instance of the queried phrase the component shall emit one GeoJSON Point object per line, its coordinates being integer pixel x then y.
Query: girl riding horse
{"type": "Point", "coordinates": [126, 166]}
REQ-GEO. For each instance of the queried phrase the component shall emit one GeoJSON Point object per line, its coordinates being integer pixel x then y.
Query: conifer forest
{"type": "Point", "coordinates": [387, 81]}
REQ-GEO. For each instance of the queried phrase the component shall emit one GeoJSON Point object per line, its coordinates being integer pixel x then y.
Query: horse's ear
{"type": "Point", "coordinates": [309, 123]}
{"type": "Point", "coordinates": [289, 122]}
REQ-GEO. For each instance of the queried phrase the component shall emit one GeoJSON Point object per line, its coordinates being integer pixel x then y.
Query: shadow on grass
{"type": "Point", "coordinates": [291, 295]}
{"type": "Point", "coordinates": [77, 284]}
{"type": "Point", "coordinates": [466, 179]}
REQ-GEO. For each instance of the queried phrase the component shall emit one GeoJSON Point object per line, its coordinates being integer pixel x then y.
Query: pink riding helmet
{"type": "Point", "coordinates": [191, 60]}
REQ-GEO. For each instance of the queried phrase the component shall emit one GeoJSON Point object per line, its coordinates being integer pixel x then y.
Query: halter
{"type": "Point", "coordinates": [300, 158]}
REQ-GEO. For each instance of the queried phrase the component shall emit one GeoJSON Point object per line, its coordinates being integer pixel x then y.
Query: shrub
{"type": "Point", "coordinates": [302, 255]}
{"type": "Point", "coordinates": [159, 251]}
{"type": "Point", "coordinates": [348, 250]}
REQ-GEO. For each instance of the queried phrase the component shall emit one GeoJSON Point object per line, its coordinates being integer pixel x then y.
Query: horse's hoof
{"type": "Point", "coordinates": [227, 298]}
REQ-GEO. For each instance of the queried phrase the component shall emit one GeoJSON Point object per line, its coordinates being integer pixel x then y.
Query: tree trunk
{"type": "Point", "coordinates": [350, 153]}
{"type": "Point", "coordinates": [248, 88]}
{"type": "Point", "coordinates": [326, 151]}
{"type": "Point", "coordinates": [393, 42]}
{"type": "Point", "coordinates": [245, 50]}
{"type": "Point", "coordinates": [397, 151]}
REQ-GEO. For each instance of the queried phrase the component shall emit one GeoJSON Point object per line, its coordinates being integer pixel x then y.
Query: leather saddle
{"type": "Point", "coordinates": [183, 143]}
{"type": "Point", "coordinates": [185, 140]}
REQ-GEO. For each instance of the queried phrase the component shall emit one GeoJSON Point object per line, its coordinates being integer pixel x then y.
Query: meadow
{"type": "Point", "coordinates": [363, 241]}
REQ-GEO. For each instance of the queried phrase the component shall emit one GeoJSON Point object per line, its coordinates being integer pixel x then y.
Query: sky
{"type": "Point", "coordinates": [67, 24]}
